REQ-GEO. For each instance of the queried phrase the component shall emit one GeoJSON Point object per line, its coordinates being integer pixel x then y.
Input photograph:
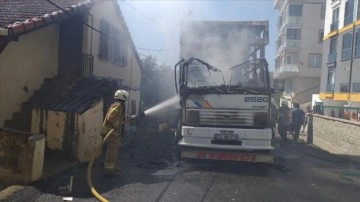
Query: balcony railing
{"type": "Point", "coordinates": [344, 87]}
{"type": "Point", "coordinates": [292, 43]}
{"type": "Point", "coordinates": [294, 20]}
{"type": "Point", "coordinates": [286, 71]}
{"type": "Point", "coordinates": [348, 19]}
{"type": "Point", "coordinates": [346, 54]}
{"type": "Point", "coordinates": [356, 87]}
{"type": "Point", "coordinates": [334, 26]}
{"type": "Point", "coordinates": [87, 65]}
{"type": "Point", "coordinates": [332, 57]}
{"type": "Point", "coordinates": [290, 20]}
{"type": "Point", "coordinates": [330, 87]}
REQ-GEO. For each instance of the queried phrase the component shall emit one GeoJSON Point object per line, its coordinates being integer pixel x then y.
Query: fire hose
{"type": "Point", "coordinates": [96, 153]}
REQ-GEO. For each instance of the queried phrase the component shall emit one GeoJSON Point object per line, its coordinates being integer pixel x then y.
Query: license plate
{"type": "Point", "coordinates": [226, 137]}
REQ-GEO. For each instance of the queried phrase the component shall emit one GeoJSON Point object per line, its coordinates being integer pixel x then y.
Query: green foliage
{"type": "Point", "coordinates": [157, 82]}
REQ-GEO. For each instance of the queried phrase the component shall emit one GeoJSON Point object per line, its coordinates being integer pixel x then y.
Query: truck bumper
{"type": "Point", "coordinates": [227, 155]}
{"type": "Point", "coordinates": [247, 139]}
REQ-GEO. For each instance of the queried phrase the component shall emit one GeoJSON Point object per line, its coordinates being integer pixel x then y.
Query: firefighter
{"type": "Point", "coordinates": [273, 117]}
{"type": "Point", "coordinates": [113, 119]}
{"type": "Point", "coordinates": [283, 120]}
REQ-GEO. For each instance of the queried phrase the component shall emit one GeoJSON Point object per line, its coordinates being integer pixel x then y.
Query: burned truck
{"type": "Point", "coordinates": [224, 88]}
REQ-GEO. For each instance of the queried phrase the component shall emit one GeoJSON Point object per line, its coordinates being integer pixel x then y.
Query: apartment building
{"type": "Point", "coordinates": [299, 43]}
{"type": "Point", "coordinates": [340, 76]}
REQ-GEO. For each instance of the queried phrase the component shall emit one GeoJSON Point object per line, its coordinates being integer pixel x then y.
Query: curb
{"type": "Point", "coordinates": [10, 191]}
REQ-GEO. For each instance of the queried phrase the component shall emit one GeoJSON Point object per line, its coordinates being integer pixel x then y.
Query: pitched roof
{"type": "Point", "coordinates": [20, 16]}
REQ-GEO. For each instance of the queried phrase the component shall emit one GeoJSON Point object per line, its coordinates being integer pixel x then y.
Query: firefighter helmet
{"type": "Point", "coordinates": [121, 95]}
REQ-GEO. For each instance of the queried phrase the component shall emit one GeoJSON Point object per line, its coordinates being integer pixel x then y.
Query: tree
{"type": "Point", "coordinates": [157, 82]}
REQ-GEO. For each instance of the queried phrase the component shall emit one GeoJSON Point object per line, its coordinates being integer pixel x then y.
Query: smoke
{"type": "Point", "coordinates": [219, 43]}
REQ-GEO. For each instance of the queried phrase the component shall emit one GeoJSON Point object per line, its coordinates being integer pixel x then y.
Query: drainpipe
{"type": "Point", "coordinates": [351, 62]}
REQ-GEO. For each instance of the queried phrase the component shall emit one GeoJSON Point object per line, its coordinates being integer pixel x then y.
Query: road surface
{"type": "Point", "coordinates": [299, 173]}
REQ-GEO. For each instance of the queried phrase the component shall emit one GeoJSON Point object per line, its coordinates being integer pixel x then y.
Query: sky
{"type": "Point", "coordinates": [154, 25]}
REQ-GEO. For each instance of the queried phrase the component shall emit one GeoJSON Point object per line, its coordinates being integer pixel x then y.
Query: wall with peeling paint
{"type": "Point", "coordinates": [24, 64]}
{"type": "Point", "coordinates": [21, 157]}
{"type": "Point", "coordinates": [89, 126]}
{"type": "Point", "coordinates": [52, 125]}
{"type": "Point", "coordinates": [72, 134]}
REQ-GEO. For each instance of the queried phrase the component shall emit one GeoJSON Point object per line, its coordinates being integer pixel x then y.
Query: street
{"type": "Point", "coordinates": [152, 173]}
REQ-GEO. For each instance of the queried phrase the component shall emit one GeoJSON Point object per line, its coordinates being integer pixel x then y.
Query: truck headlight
{"type": "Point", "coordinates": [192, 117]}
{"type": "Point", "coordinates": [261, 119]}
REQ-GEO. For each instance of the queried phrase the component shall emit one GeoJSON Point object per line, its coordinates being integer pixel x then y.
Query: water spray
{"type": "Point", "coordinates": [162, 105]}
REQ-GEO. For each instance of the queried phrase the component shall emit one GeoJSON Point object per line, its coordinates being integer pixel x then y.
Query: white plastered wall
{"type": "Point", "coordinates": [24, 64]}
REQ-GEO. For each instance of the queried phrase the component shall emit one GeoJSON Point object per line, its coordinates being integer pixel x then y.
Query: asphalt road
{"type": "Point", "coordinates": [152, 173]}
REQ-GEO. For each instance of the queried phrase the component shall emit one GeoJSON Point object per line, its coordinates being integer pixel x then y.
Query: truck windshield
{"type": "Point", "coordinates": [249, 75]}
{"type": "Point", "coordinates": [200, 76]}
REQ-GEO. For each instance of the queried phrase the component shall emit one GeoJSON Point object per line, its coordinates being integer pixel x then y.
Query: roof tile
{"type": "Point", "coordinates": [21, 10]}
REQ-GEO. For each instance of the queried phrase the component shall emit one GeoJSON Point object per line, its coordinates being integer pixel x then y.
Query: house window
{"type": "Point", "coordinates": [358, 10]}
{"type": "Point", "coordinates": [349, 12]}
{"type": "Point", "coordinates": [346, 46]}
{"type": "Point", "coordinates": [113, 44]}
{"type": "Point", "coordinates": [330, 80]}
{"type": "Point", "coordinates": [344, 87]}
{"type": "Point", "coordinates": [293, 33]}
{"type": "Point", "coordinates": [295, 10]}
{"type": "Point", "coordinates": [120, 48]}
{"type": "Point", "coordinates": [315, 60]}
{"type": "Point", "coordinates": [357, 43]}
{"type": "Point", "coordinates": [321, 36]}
{"type": "Point", "coordinates": [288, 59]}
{"type": "Point", "coordinates": [104, 52]}
{"type": "Point", "coordinates": [332, 53]}
{"type": "Point", "coordinates": [335, 20]}
{"type": "Point", "coordinates": [322, 11]}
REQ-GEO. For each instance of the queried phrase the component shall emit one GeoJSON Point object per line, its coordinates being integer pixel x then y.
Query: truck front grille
{"type": "Point", "coordinates": [223, 117]}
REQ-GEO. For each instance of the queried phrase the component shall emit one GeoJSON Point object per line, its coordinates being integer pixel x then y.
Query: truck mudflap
{"type": "Point", "coordinates": [227, 155]}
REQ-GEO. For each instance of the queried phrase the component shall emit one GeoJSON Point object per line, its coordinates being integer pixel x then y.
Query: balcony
{"type": "Point", "coordinates": [332, 57]}
{"type": "Point", "coordinates": [292, 21]}
{"type": "Point", "coordinates": [334, 26]}
{"type": "Point", "coordinates": [330, 87]}
{"type": "Point", "coordinates": [286, 71]}
{"type": "Point", "coordinates": [292, 44]}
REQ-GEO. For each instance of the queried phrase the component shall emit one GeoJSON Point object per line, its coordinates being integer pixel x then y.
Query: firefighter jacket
{"type": "Point", "coordinates": [114, 117]}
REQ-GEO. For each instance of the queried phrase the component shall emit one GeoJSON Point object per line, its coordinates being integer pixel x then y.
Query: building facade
{"type": "Point", "coordinates": [340, 75]}
{"type": "Point", "coordinates": [299, 43]}
{"type": "Point", "coordinates": [59, 69]}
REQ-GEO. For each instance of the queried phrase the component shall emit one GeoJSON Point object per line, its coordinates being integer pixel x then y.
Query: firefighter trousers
{"type": "Point", "coordinates": [111, 156]}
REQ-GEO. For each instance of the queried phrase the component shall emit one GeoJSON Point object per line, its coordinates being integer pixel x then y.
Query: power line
{"type": "Point", "coordinates": [151, 49]}
{"type": "Point", "coordinates": [143, 14]}
{"type": "Point", "coordinates": [93, 28]}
